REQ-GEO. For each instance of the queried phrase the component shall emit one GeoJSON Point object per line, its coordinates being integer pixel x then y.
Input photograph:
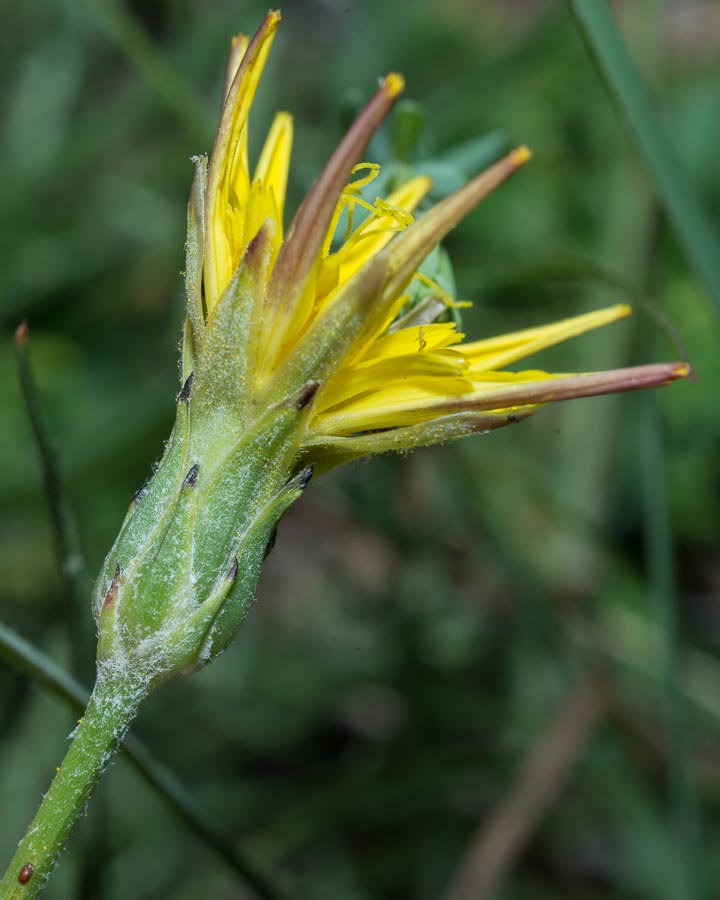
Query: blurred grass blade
{"type": "Point", "coordinates": [166, 80]}
{"type": "Point", "coordinates": [504, 834]}
{"type": "Point", "coordinates": [66, 535]}
{"type": "Point", "coordinates": [633, 643]}
{"type": "Point", "coordinates": [661, 585]}
{"type": "Point", "coordinates": [695, 231]}
{"type": "Point", "coordinates": [27, 659]}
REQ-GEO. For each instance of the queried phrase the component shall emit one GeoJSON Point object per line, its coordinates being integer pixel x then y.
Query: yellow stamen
{"type": "Point", "coordinates": [441, 293]}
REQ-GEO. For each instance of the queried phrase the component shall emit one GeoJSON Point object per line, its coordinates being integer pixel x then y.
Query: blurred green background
{"type": "Point", "coordinates": [503, 652]}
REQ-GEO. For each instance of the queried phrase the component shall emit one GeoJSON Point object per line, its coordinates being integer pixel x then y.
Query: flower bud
{"type": "Point", "coordinates": [182, 574]}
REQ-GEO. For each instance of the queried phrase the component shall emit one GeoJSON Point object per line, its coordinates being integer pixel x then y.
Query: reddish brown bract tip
{"type": "Point", "coordinates": [21, 333]}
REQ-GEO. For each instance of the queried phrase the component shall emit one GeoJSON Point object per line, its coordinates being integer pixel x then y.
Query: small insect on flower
{"type": "Point", "coordinates": [26, 873]}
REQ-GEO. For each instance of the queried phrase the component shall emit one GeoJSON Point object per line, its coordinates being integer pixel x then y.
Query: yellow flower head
{"type": "Point", "coordinates": [278, 311]}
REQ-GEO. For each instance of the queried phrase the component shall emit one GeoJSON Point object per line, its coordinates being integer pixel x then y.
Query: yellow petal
{"type": "Point", "coordinates": [274, 163]}
{"type": "Point", "coordinates": [228, 178]}
{"type": "Point", "coordinates": [261, 208]}
{"type": "Point", "coordinates": [423, 399]}
{"type": "Point", "coordinates": [497, 352]}
{"type": "Point", "coordinates": [352, 386]}
{"type": "Point", "coordinates": [395, 406]}
{"type": "Point", "coordinates": [420, 338]}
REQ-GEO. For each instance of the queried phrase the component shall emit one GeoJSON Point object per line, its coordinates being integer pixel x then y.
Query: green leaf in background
{"type": "Point", "coordinates": [632, 98]}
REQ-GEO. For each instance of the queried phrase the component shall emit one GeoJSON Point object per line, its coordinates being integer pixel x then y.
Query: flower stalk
{"type": "Point", "coordinates": [112, 707]}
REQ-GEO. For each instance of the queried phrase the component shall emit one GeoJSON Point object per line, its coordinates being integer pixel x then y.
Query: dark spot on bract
{"type": "Point", "coordinates": [187, 387]}
{"type": "Point", "coordinates": [307, 392]}
{"type": "Point", "coordinates": [192, 476]}
{"type": "Point", "coordinates": [140, 493]}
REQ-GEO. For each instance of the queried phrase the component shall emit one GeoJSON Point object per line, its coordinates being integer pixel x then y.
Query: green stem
{"type": "Point", "coordinates": [113, 706]}
{"type": "Point", "coordinates": [70, 555]}
{"type": "Point", "coordinates": [66, 534]}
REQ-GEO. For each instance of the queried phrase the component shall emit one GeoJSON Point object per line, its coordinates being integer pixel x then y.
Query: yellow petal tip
{"type": "Point", "coordinates": [521, 155]}
{"type": "Point", "coordinates": [683, 370]}
{"type": "Point", "coordinates": [273, 16]}
{"type": "Point", "coordinates": [394, 84]}
{"type": "Point", "coordinates": [427, 183]}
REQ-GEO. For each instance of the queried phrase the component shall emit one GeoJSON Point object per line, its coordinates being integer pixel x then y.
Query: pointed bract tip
{"type": "Point", "coordinates": [21, 333]}
{"type": "Point", "coordinates": [304, 478]}
{"type": "Point", "coordinates": [521, 155]}
{"type": "Point", "coordinates": [394, 84]}
{"type": "Point", "coordinates": [307, 392]}
{"type": "Point", "coordinates": [683, 370]}
{"type": "Point", "coordinates": [187, 388]}
{"type": "Point", "coordinates": [272, 19]}
{"type": "Point", "coordinates": [192, 476]}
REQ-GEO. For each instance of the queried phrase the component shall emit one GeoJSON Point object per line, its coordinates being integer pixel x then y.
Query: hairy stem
{"type": "Point", "coordinates": [112, 707]}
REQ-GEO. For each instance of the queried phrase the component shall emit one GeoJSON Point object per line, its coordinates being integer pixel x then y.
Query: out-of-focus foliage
{"type": "Point", "coordinates": [421, 619]}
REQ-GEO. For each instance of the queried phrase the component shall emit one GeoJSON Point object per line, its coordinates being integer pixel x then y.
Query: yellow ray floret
{"type": "Point", "coordinates": [228, 186]}
{"type": "Point", "coordinates": [274, 163]}
{"type": "Point", "coordinates": [403, 380]}
{"type": "Point", "coordinates": [493, 353]}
